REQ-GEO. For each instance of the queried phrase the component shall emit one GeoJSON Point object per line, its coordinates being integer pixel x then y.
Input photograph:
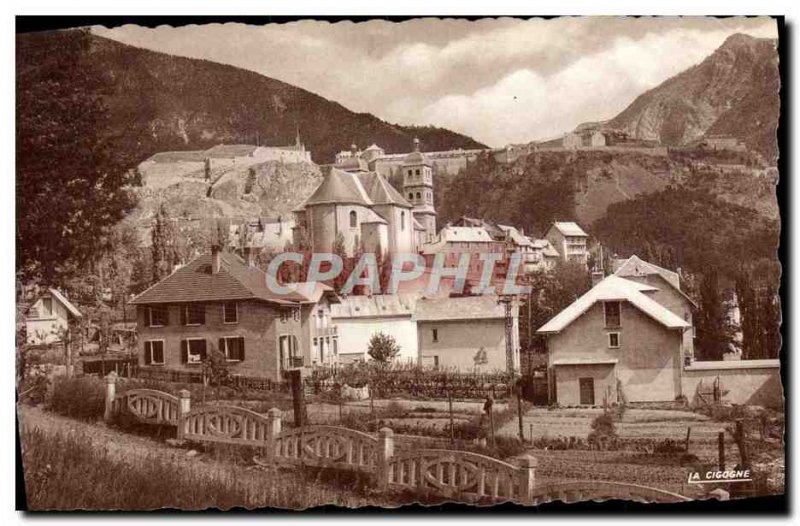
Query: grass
{"type": "Point", "coordinates": [53, 462]}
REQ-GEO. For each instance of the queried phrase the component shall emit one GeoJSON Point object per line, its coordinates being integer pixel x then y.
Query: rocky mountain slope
{"type": "Point", "coordinates": [159, 102]}
{"type": "Point", "coordinates": [732, 92]}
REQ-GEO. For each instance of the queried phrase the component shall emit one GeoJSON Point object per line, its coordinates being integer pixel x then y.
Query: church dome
{"type": "Point", "coordinates": [416, 157]}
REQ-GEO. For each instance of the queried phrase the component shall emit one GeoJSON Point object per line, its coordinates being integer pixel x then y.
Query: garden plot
{"type": "Point", "coordinates": [636, 423]}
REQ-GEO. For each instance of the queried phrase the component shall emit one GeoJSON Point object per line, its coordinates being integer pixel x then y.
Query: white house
{"type": "Point", "coordinates": [358, 318]}
{"type": "Point", "coordinates": [49, 317]}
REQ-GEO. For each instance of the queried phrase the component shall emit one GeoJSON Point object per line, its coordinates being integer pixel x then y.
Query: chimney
{"type": "Point", "coordinates": [216, 259]}
{"type": "Point", "coordinates": [597, 277]}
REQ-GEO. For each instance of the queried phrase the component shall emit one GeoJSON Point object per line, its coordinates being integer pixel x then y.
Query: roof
{"type": "Point", "coordinates": [380, 191]}
{"type": "Point", "coordinates": [614, 288]}
{"type": "Point", "coordinates": [460, 308]}
{"type": "Point", "coordinates": [417, 225]}
{"type": "Point", "coordinates": [231, 150]}
{"type": "Point", "coordinates": [380, 305]}
{"type": "Point", "coordinates": [311, 290]}
{"type": "Point", "coordinates": [65, 302]}
{"type": "Point", "coordinates": [585, 361]}
{"type": "Point", "coordinates": [465, 233]}
{"type": "Point", "coordinates": [414, 158]}
{"type": "Point", "coordinates": [234, 281]}
{"type": "Point", "coordinates": [569, 228]}
{"type": "Point", "coordinates": [635, 266]}
{"type": "Point", "coordinates": [374, 146]}
{"type": "Point", "coordinates": [351, 163]}
{"type": "Point", "coordinates": [516, 236]}
{"type": "Point", "coordinates": [339, 187]}
{"type": "Point", "coordinates": [374, 217]}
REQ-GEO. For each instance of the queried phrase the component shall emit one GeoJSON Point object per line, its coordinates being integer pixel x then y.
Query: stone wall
{"type": "Point", "coordinates": [754, 382]}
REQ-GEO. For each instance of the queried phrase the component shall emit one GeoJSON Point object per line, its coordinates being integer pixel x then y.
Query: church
{"type": "Point", "coordinates": [362, 210]}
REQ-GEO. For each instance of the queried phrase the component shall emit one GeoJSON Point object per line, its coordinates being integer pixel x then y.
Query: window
{"type": "Point", "coordinates": [613, 340]}
{"type": "Point", "coordinates": [47, 306]}
{"type": "Point", "coordinates": [157, 316]}
{"type": "Point", "coordinates": [402, 220]}
{"type": "Point", "coordinates": [230, 312]}
{"type": "Point", "coordinates": [419, 196]}
{"type": "Point", "coordinates": [416, 172]}
{"type": "Point", "coordinates": [154, 352]}
{"type": "Point", "coordinates": [353, 219]}
{"type": "Point", "coordinates": [193, 350]}
{"type": "Point", "coordinates": [410, 195]}
{"type": "Point", "coordinates": [289, 352]}
{"type": "Point", "coordinates": [233, 348]}
{"type": "Point", "coordinates": [435, 333]}
{"type": "Point", "coordinates": [436, 362]}
{"type": "Point", "coordinates": [194, 314]}
{"type": "Point", "coordinates": [612, 313]}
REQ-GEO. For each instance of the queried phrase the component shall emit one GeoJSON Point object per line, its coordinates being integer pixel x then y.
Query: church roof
{"type": "Point", "coordinates": [415, 158]}
{"type": "Point", "coordinates": [374, 147]}
{"type": "Point", "coordinates": [339, 187]}
{"type": "Point", "coordinates": [380, 191]}
{"type": "Point", "coordinates": [353, 163]}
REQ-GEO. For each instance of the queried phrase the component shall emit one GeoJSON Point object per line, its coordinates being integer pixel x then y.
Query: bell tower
{"type": "Point", "coordinates": [418, 189]}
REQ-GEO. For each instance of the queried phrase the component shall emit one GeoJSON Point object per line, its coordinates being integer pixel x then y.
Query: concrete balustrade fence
{"type": "Point", "coordinates": [460, 475]}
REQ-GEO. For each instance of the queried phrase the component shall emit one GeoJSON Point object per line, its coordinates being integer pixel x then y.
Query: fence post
{"type": "Point", "coordinates": [273, 430]}
{"type": "Point", "coordinates": [385, 453]}
{"type": "Point", "coordinates": [184, 406]}
{"type": "Point", "coordinates": [527, 480]}
{"type": "Point", "coordinates": [111, 392]}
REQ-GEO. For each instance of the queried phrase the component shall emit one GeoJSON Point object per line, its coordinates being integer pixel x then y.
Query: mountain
{"type": "Point", "coordinates": [734, 92]}
{"type": "Point", "coordinates": [159, 102]}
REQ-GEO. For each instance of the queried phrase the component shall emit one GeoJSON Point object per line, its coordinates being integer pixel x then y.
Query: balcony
{"type": "Point", "coordinates": [330, 330]}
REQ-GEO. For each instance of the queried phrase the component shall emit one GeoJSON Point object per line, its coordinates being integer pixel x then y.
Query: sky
{"type": "Point", "coordinates": [498, 80]}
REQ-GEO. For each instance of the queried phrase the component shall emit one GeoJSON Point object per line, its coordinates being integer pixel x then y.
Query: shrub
{"type": "Point", "coordinates": [603, 431]}
{"type": "Point", "coordinates": [79, 397]}
{"type": "Point", "coordinates": [394, 410]}
{"type": "Point", "coordinates": [382, 347]}
{"type": "Point", "coordinates": [504, 447]}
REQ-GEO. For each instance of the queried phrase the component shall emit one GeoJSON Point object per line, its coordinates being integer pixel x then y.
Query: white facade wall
{"type": "Point", "coordinates": [355, 333]}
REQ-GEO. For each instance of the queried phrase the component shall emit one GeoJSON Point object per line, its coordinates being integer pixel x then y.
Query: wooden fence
{"type": "Point", "coordinates": [460, 475]}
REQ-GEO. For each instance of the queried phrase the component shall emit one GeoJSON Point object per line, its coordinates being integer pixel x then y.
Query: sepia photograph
{"type": "Point", "coordinates": [399, 262]}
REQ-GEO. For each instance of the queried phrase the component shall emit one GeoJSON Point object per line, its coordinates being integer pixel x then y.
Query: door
{"type": "Point", "coordinates": [587, 390]}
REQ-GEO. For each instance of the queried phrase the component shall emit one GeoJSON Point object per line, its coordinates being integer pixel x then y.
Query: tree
{"type": "Point", "coordinates": [382, 347]}
{"type": "Point", "coordinates": [72, 177]}
{"type": "Point", "coordinates": [163, 245]}
{"type": "Point", "coordinates": [713, 329]}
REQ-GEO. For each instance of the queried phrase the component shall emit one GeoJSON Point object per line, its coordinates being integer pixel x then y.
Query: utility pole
{"type": "Point", "coordinates": [509, 301]}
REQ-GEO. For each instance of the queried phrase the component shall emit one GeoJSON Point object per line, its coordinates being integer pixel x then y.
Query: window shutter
{"type": "Point", "coordinates": [183, 314]}
{"type": "Point", "coordinates": [184, 351]}
{"type": "Point", "coordinates": [241, 348]}
{"type": "Point", "coordinates": [165, 314]}
{"type": "Point", "coordinates": [222, 346]}
{"type": "Point", "coordinates": [148, 350]}
{"type": "Point", "coordinates": [203, 351]}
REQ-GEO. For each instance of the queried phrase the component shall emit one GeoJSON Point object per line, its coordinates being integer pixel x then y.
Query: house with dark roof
{"type": "Point", "coordinates": [217, 302]}
{"type": "Point", "coordinates": [617, 339]}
